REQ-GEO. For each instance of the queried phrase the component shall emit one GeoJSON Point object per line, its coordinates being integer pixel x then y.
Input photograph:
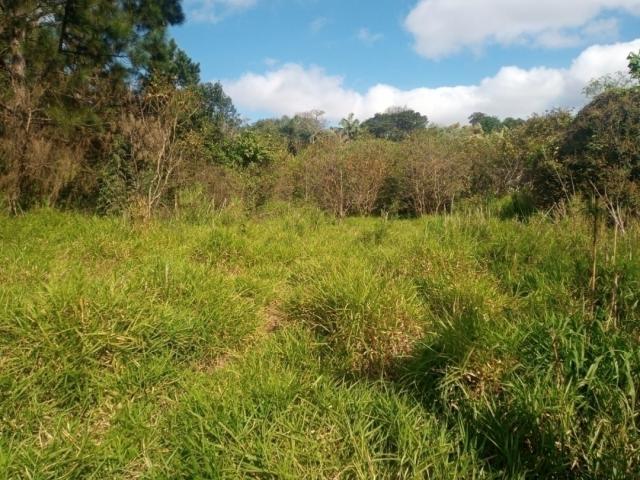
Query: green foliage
{"type": "Point", "coordinates": [172, 65]}
{"type": "Point", "coordinates": [217, 108]}
{"type": "Point", "coordinates": [619, 80]}
{"type": "Point", "coordinates": [634, 65]}
{"type": "Point", "coordinates": [488, 123]}
{"type": "Point", "coordinates": [112, 37]}
{"type": "Point", "coordinates": [75, 69]}
{"type": "Point", "coordinates": [350, 127]}
{"type": "Point", "coordinates": [248, 149]}
{"type": "Point", "coordinates": [540, 140]}
{"type": "Point", "coordinates": [601, 149]}
{"type": "Point", "coordinates": [511, 122]}
{"type": "Point", "coordinates": [395, 124]}
{"type": "Point", "coordinates": [297, 132]}
{"type": "Point", "coordinates": [519, 205]}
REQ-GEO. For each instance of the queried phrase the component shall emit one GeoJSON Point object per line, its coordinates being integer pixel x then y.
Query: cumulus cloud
{"type": "Point", "coordinates": [445, 27]}
{"type": "Point", "coordinates": [513, 91]}
{"type": "Point", "coordinates": [213, 10]}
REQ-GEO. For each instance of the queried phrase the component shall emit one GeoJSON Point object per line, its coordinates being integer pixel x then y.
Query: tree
{"type": "Point", "coordinates": [488, 123]}
{"type": "Point", "coordinates": [396, 124]}
{"type": "Point", "coordinates": [68, 64]}
{"type": "Point", "coordinates": [346, 178]}
{"type": "Point", "coordinates": [217, 109]}
{"type": "Point", "coordinates": [537, 145]}
{"type": "Point", "coordinates": [350, 127]}
{"type": "Point", "coordinates": [434, 171]}
{"type": "Point", "coordinates": [171, 65]}
{"type": "Point", "coordinates": [129, 35]}
{"type": "Point", "coordinates": [634, 65]}
{"type": "Point", "coordinates": [153, 144]}
{"type": "Point", "coordinates": [298, 132]}
{"type": "Point", "coordinates": [607, 82]}
{"type": "Point", "coordinates": [601, 150]}
{"type": "Point", "coordinates": [512, 123]}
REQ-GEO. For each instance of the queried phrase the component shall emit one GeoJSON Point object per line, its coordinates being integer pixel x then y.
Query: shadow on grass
{"type": "Point", "coordinates": [477, 395]}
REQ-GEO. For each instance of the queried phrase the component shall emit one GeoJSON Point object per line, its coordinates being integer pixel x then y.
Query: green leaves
{"type": "Point", "coordinates": [395, 124]}
{"type": "Point", "coordinates": [634, 65]}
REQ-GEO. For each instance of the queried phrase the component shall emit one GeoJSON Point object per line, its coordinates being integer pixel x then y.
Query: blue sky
{"type": "Point", "coordinates": [446, 58]}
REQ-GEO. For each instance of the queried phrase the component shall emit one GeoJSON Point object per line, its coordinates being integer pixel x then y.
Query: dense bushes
{"type": "Point", "coordinates": [163, 141]}
{"type": "Point", "coordinates": [100, 110]}
{"type": "Point", "coordinates": [346, 178]}
{"type": "Point", "coordinates": [602, 148]}
{"type": "Point", "coordinates": [433, 171]}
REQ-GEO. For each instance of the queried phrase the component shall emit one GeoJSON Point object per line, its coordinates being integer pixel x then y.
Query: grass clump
{"type": "Point", "coordinates": [367, 319]}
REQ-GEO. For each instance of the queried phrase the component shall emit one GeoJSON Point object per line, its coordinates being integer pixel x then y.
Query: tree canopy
{"type": "Point", "coordinates": [395, 124]}
{"type": "Point", "coordinates": [634, 65]}
{"type": "Point", "coordinates": [602, 150]}
{"type": "Point", "coordinates": [488, 123]}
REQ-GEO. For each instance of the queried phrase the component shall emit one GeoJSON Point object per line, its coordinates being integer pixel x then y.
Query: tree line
{"type": "Point", "coordinates": [101, 110]}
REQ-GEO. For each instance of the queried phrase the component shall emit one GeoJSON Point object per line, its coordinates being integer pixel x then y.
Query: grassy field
{"type": "Point", "coordinates": [288, 344]}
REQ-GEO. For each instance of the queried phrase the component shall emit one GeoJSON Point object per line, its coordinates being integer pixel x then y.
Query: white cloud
{"type": "Point", "coordinates": [367, 37]}
{"type": "Point", "coordinates": [213, 10]}
{"type": "Point", "coordinates": [606, 27]}
{"type": "Point", "coordinates": [513, 91]}
{"type": "Point", "coordinates": [318, 24]}
{"type": "Point", "coordinates": [445, 27]}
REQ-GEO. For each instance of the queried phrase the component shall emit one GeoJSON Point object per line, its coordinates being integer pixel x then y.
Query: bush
{"type": "Point", "coordinates": [601, 150]}
{"type": "Point", "coordinates": [346, 178]}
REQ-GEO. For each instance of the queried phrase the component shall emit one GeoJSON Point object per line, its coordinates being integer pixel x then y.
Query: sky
{"type": "Point", "coordinates": [443, 58]}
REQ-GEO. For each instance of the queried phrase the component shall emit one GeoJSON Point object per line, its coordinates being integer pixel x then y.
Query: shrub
{"type": "Point", "coordinates": [346, 178]}
{"type": "Point", "coordinates": [601, 149]}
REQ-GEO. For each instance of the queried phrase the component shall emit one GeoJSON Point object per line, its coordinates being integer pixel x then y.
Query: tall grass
{"type": "Point", "coordinates": [288, 344]}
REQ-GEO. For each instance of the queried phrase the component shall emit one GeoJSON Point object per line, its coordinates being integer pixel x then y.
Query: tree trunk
{"type": "Point", "coordinates": [20, 108]}
{"type": "Point", "coordinates": [18, 66]}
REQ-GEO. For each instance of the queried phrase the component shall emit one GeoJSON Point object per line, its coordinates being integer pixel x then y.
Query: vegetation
{"type": "Point", "coordinates": [291, 345]}
{"type": "Point", "coordinates": [395, 123]}
{"type": "Point", "coordinates": [102, 112]}
{"type": "Point", "coordinates": [186, 295]}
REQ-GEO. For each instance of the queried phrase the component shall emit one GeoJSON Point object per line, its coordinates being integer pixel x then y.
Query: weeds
{"type": "Point", "coordinates": [458, 346]}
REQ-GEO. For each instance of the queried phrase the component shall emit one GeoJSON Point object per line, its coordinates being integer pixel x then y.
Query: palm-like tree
{"type": "Point", "coordinates": [350, 127]}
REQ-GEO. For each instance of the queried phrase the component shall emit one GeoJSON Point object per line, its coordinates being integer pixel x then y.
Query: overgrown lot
{"type": "Point", "coordinates": [289, 344]}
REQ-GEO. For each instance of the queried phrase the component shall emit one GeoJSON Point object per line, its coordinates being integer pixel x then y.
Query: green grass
{"type": "Point", "coordinates": [288, 344]}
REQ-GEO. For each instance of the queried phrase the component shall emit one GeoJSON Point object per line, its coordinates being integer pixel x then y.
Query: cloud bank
{"type": "Point", "coordinates": [513, 91]}
{"type": "Point", "coordinates": [444, 27]}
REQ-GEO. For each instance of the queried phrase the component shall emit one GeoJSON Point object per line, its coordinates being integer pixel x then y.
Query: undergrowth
{"type": "Point", "coordinates": [288, 344]}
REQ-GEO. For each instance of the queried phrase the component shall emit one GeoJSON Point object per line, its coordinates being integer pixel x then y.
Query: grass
{"type": "Point", "coordinates": [288, 344]}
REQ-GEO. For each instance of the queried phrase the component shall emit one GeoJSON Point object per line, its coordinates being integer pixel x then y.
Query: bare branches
{"type": "Point", "coordinates": [156, 142]}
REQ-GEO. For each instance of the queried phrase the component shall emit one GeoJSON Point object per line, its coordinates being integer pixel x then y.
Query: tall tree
{"type": "Point", "coordinates": [299, 131]}
{"type": "Point", "coordinates": [395, 124]}
{"type": "Point", "coordinates": [67, 63]}
{"type": "Point", "coordinates": [601, 148]}
{"type": "Point", "coordinates": [488, 123]}
{"type": "Point", "coordinates": [217, 107]}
